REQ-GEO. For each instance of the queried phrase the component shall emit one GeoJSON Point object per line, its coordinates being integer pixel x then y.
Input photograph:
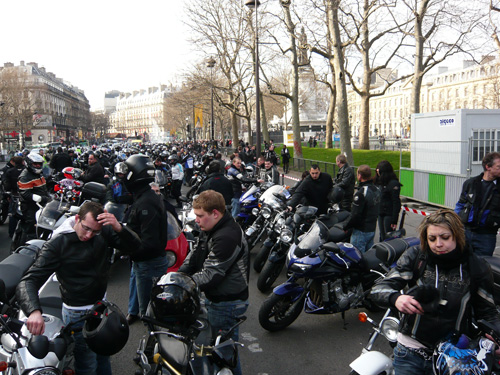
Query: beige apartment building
{"type": "Point", "coordinates": [39, 105]}
{"type": "Point", "coordinates": [141, 112]}
{"type": "Point", "coordinates": [473, 86]}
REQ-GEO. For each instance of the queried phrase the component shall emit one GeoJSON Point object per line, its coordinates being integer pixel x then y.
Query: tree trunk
{"type": "Point", "coordinates": [329, 120]}
{"type": "Point", "coordinates": [263, 119]}
{"type": "Point", "coordinates": [340, 82]}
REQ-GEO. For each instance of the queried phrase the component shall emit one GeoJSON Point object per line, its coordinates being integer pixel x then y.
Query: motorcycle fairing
{"type": "Point", "coordinates": [174, 351]}
{"type": "Point", "coordinates": [289, 288]}
{"type": "Point", "coordinates": [350, 250]}
{"type": "Point", "coordinates": [372, 363]}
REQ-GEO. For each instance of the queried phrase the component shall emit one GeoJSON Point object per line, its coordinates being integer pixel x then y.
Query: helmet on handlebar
{"type": "Point", "coordinates": [336, 194]}
{"type": "Point", "coordinates": [34, 163]}
{"type": "Point", "coordinates": [106, 330]}
{"type": "Point", "coordinates": [176, 299]}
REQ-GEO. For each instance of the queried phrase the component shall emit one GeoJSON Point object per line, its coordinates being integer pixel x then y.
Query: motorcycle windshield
{"type": "Point", "coordinates": [160, 177]}
{"type": "Point", "coordinates": [117, 209]}
{"type": "Point", "coordinates": [250, 192]}
{"type": "Point", "coordinates": [53, 211]}
{"type": "Point", "coordinates": [270, 199]}
{"type": "Point", "coordinates": [313, 239]}
{"type": "Point", "coordinates": [174, 230]}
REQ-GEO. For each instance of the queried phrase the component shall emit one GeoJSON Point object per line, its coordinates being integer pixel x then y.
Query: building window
{"type": "Point", "coordinates": [483, 142]}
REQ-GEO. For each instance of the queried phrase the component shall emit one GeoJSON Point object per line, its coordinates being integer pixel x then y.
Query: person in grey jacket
{"type": "Point", "coordinates": [220, 263]}
{"type": "Point", "coordinates": [345, 179]}
{"type": "Point", "coordinates": [79, 253]}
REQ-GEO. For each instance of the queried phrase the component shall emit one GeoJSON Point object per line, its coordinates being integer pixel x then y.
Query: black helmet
{"type": "Point", "coordinates": [106, 330]}
{"type": "Point", "coordinates": [34, 163]}
{"type": "Point", "coordinates": [336, 194]}
{"type": "Point", "coordinates": [140, 170]}
{"type": "Point", "coordinates": [176, 298]}
{"type": "Point", "coordinates": [173, 158]}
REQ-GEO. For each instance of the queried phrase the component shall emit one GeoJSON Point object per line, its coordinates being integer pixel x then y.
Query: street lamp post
{"type": "Point", "coordinates": [255, 4]}
{"type": "Point", "coordinates": [211, 64]}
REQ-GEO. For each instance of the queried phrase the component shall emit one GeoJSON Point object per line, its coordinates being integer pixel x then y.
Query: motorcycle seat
{"type": "Point", "coordinates": [494, 262]}
{"type": "Point", "coordinates": [174, 352]}
{"type": "Point", "coordinates": [12, 269]}
{"type": "Point", "coordinates": [371, 261]}
{"type": "Point", "coordinates": [390, 251]}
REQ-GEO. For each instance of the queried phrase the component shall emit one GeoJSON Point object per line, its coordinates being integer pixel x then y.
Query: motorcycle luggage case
{"type": "Point", "coordinates": [390, 251]}
{"type": "Point", "coordinates": [494, 263]}
{"type": "Point", "coordinates": [12, 269]}
{"type": "Point", "coordinates": [94, 191]}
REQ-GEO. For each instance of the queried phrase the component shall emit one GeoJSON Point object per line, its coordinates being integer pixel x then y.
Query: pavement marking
{"type": "Point", "coordinates": [255, 347]}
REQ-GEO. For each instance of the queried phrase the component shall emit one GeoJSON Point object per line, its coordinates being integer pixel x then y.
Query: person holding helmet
{"type": "Point", "coordinates": [79, 252]}
{"type": "Point", "coordinates": [177, 177]}
{"type": "Point", "coordinates": [220, 263]}
{"type": "Point", "coordinates": [116, 190]}
{"type": "Point", "coordinates": [448, 284]}
{"type": "Point", "coordinates": [31, 181]}
{"type": "Point", "coordinates": [148, 219]}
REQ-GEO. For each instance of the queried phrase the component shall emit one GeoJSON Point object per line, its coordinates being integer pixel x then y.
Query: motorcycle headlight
{"type": "Point", "coordinates": [266, 212]}
{"type": "Point", "coordinates": [171, 258]}
{"type": "Point", "coordinates": [47, 221]}
{"type": "Point", "coordinates": [286, 235]}
{"type": "Point", "coordinates": [389, 328]}
{"type": "Point", "coordinates": [255, 211]}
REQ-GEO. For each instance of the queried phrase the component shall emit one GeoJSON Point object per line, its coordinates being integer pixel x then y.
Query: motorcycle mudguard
{"type": "Point", "coordinates": [292, 289]}
{"type": "Point", "coordinates": [276, 256]}
{"type": "Point", "coordinates": [372, 363]}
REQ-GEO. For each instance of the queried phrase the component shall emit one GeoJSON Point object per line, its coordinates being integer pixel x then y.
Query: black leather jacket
{"type": "Point", "coordinates": [465, 284]}
{"type": "Point", "coordinates": [148, 219]}
{"type": "Point", "coordinates": [479, 213]}
{"type": "Point", "coordinates": [220, 263]}
{"type": "Point", "coordinates": [365, 208]}
{"type": "Point", "coordinates": [95, 173]}
{"type": "Point", "coordinates": [345, 179]}
{"type": "Point", "coordinates": [82, 268]}
{"type": "Point", "coordinates": [390, 202]}
{"type": "Point", "coordinates": [219, 183]}
{"type": "Point", "coordinates": [315, 191]}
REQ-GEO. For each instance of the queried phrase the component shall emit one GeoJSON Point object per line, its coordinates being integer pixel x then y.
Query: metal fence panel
{"type": "Point", "coordinates": [421, 186]}
{"type": "Point", "coordinates": [453, 189]}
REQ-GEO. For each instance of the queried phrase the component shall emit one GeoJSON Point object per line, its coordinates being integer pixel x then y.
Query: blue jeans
{"type": "Point", "coordinates": [86, 361]}
{"type": "Point", "coordinates": [144, 272]}
{"type": "Point", "coordinates": [222, 316]}
{"type": "Point", "coordinates": [133, 301]}
{"type": "Point", "coordinates": [362, 240]}
{"type": "Point", "coordinates": [235, 205]}
{"type": "Point", "coordinates": [483, 244]}
{"type": "Point", "coordinates": [407, 362]}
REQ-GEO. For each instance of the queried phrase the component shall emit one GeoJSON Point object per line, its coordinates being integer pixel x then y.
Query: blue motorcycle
{"type": "Point", "coordinates": [337, 276]}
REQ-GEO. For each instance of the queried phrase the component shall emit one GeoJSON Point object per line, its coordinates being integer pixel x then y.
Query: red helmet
{"type": "Point", "coordinates": [72, 173]}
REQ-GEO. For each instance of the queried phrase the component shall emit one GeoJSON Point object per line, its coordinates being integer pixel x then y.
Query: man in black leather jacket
{"type": "Point", "coordinates": [218, 182]}
{"type": "Point", "coordinates": [78, 253]}
{"type": "Point", "coordinates": [364, 212]}
{"type": "Point", "coordinates": [220, 263]}
{"type": "Point", "coordinates": [95, 172]}
{"type": "Point", "coordinates": [315, 189]}
{"type": "Point", "coordinates": [345, 179]}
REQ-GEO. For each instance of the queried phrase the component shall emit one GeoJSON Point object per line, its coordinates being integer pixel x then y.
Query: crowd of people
{"type": "Point", "coordinates": [448, 258]}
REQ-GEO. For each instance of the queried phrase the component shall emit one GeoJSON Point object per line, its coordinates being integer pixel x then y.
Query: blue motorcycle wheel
{"type": "Point", "coordinates": [279, 311]}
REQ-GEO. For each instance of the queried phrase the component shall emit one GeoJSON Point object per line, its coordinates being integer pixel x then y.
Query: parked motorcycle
{"type": "Point", "coordinates": [248, 202]}
{"type": "Point", "coordinates": [290, 230]}
{"type": "Point", "coordinates": [180, 339]}
{"type": "Point", "coordinates": [337, 276]}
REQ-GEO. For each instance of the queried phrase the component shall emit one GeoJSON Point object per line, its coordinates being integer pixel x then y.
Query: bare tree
{"type": "Point", "coordinates": [100, 123]}
{"type": "Point", "coordinates": [377, 40]}
{"type": "Point", "coordinates": [20, 98]}
{"type": "Point", "coordinates": [441, 28]}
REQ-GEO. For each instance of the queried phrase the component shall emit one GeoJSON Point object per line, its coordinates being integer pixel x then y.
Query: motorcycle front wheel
{"type": "Point", "coordinates": [261, 257]}
{"type": "Point", "coordinates": [278, 312]}
{"type": "Point", "coordinates": [269, 274]}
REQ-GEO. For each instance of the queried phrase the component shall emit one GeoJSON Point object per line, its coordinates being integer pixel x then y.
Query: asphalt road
{"type": "Point", "coordinates": [320, 344]}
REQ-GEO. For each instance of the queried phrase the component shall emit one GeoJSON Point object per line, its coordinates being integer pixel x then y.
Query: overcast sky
{"type": "Point", "coordinates": [98, 46]}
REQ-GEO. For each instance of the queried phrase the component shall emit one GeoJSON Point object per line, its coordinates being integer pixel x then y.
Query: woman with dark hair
{"type": "Point", "coordinates": [442, 268]}
{"type": "Point", "coordinates": [390, 203]}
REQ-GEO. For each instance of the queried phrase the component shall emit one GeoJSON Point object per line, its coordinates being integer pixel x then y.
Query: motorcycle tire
{"type": "Point", "coordinates": [278, 312]}
{"type": "Point", "coordinates": [268, 275]}
{"type": "Point", "coordinates": [261, 257]}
